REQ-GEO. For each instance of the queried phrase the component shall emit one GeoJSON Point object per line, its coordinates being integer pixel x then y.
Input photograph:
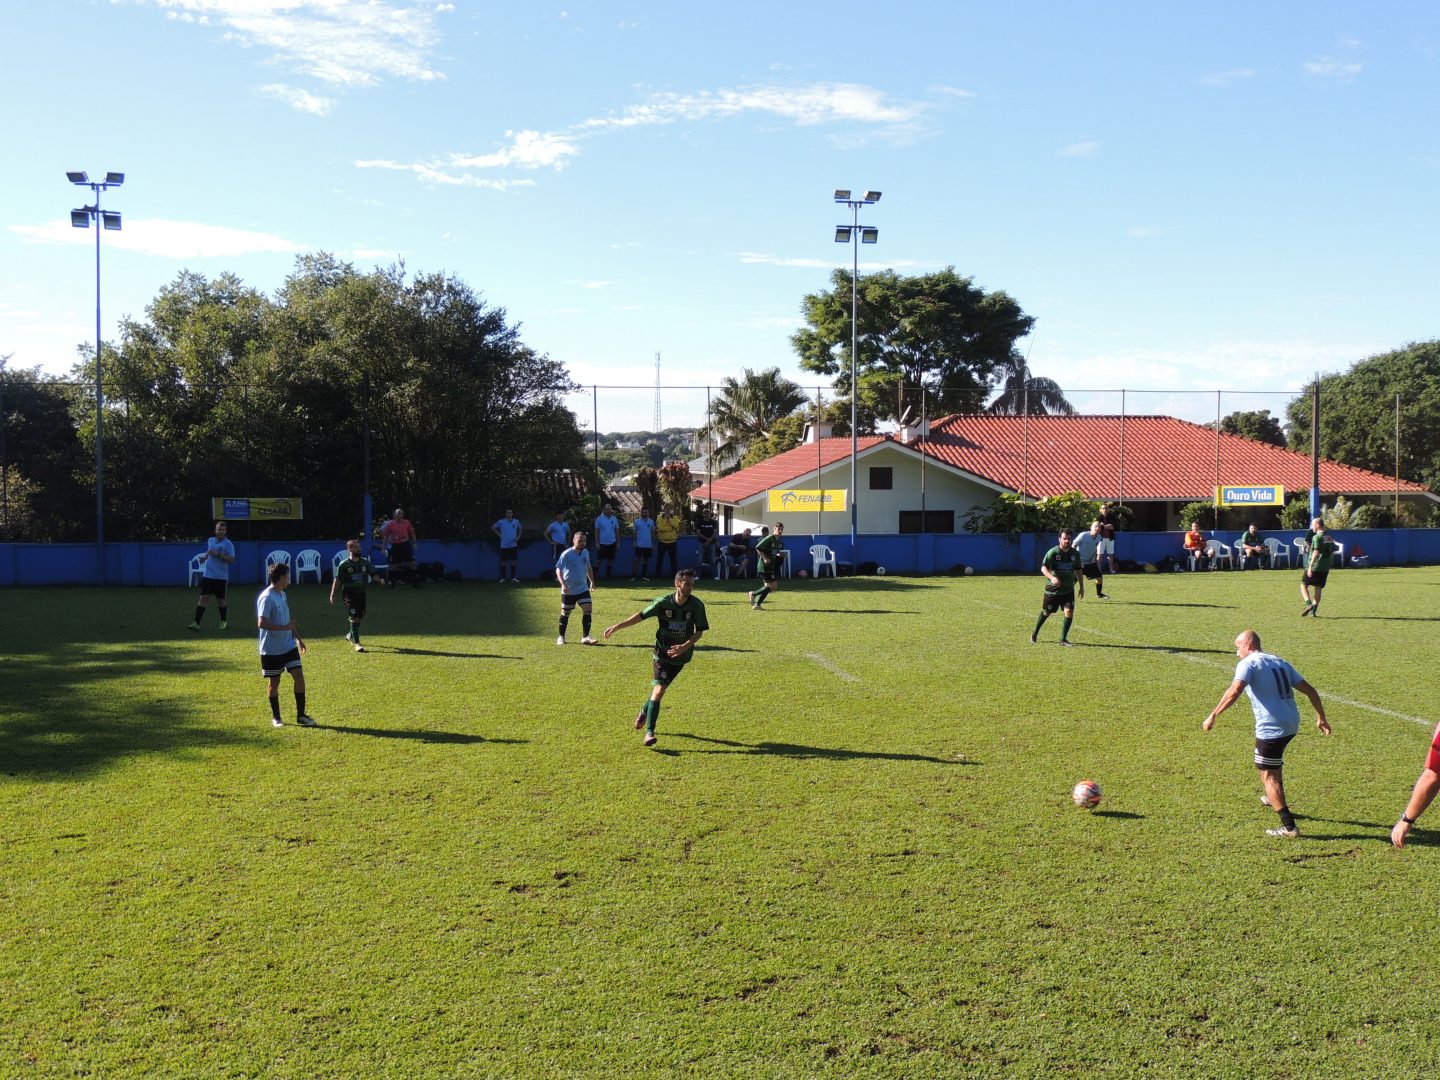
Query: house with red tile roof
{"type": "Point", "coordinates": [919, 481]}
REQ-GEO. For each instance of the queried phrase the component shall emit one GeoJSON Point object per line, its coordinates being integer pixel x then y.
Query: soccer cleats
{"type": "Point", "coordinates": [305, 720]}
{"type": "Point", "coordinates": [650, 739]}
{"type": "Point", "coordinates": [1283, 833]}
{"type": "Point", "coordinates": [588, 640]}
{"type": "Point", "coordinates": [560, 640]}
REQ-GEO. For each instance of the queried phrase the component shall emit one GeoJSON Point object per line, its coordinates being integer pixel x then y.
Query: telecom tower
{"type": "Point", "coordinates": [656, 428]}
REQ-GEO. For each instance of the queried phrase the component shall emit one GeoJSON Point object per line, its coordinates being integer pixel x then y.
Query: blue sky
{"type": "Point", "coordinates": [1228, 197]}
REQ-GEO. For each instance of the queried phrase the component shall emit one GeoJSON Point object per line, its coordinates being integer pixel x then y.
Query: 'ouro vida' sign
{"type": "Point", "coordinates": [1251, 495]}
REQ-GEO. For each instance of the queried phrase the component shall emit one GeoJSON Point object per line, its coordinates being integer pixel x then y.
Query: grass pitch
{"type": "Point", "coordinates": [853, 852]}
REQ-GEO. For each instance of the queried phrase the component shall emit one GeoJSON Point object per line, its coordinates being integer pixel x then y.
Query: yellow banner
{"type": "Point", "coordinates": [273, 509]}
{"type": "Point", "coordinates": [792, 500]}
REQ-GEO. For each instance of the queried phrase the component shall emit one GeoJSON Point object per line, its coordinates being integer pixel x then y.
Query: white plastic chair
{"type": "Point", "coordinates": [197, 569]}
{"type": "Point", "coordinates": [1194, 556]}
{"type": "Point", "coordinates": [276, 556]}
{"type": "Point", "coordinates": [1278, 551]}
{"type": "Point", "coordinates": [1219, 553]}
{"type": "Point", "coordinates": [1302, 550]}
{"type": "Point", "coordinates": [308, 562]}
{"type": "Point", "coordinates": [335, 561]}
{"type": "Point", "coordinates": [1339, 558]}
{"type": "Point", "coordinates": [821, 556]}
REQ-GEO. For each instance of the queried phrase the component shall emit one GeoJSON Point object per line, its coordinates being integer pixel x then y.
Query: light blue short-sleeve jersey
{"type": "Point", "coordinates": [644, 532]}
{"type": "Point", "coordinates": [1270, 684]}
{"type": "Point", "coordinates": [574, 567]}
{"type": "Point", "coordinates": [1087, 545]}
{"type": "Point", "coordinates": [607, 529]}
{"type": "Point", "coordinates": [558, 532]}
{"type": "Point", "coordinates": [213, 568]}
{"type": "Point", "coordinates": [509, 531]}
{"type": "Point", "coordinates": [272, 605]}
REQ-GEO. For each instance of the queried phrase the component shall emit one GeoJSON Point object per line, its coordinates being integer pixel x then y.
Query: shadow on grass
{"type": "Point", "coordinates": [404, 650]}
{"type": "Point", "coordinates": [844, 611]}
{"type": "Point", "coordinates": [421, 736]}
{"type": "Point", "coordinates": [1379, 618]}
{"type": "Point", "coordinates": [1124, 815]}
{"type": "Point", "coordinates": [650, 647]}
{"type": "Point", "coordinates": [1157, 603]}
{"type": "Point", "coordinates": [793, 750]}
{"type": "Point", "coordinates": [68, 715]}
{"type": "Point", "coordinates": [1173, 650]}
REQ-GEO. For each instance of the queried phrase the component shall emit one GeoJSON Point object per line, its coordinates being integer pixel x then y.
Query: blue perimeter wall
{"type": "Point", "coordinates": [925, 553]}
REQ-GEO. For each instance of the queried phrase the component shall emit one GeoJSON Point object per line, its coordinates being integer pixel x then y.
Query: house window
{"type": "Point", "coordinates": [882, 478]}
{"type": "Point", "coordinates": [930, 521]}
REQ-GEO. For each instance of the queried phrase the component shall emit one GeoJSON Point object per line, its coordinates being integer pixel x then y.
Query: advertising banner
{"type": "Point", "coordinates": [790, 500]}
{"type": "Point", "coordinates": [278, 508]}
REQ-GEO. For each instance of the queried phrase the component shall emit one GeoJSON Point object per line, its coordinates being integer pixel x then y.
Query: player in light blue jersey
{"type": "Point", "coordinates": [280, 645]}
{"type": "Point", "coordinates": [215, 575]}
{"type": "Point", "coordinates": [508, 530]}
{"type": "Point", "coordinates": [1271, 684]}
{"type": "Point", "coordinates": [644, 545]}
{"type": "Point", "coordinates": [558, 533]}
{"type": "Point", "coordinates": [1088, 545]}
{"type": "Point", "coordinates": [577, 577]}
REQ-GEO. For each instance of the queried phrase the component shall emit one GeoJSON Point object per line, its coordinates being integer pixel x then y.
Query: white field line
{"type": "Point", "coordinates": [816, 658]}
{"type": "Point", "coordinates": [1223, 666]}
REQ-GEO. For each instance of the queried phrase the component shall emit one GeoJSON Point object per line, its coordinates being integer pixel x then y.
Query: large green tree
{"type": "Point", "coordinates": [1260, 426]}
{"type": "Point", "coordinates": [45, 471]}
{"type": "Point", "coordinates": [938, 333]}
{"type": "Point", "coordinates": [1357, 414]}
{"type": "Point", "coordinates": [744, 411]}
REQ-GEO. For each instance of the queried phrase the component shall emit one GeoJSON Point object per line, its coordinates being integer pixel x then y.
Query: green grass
{"type": "Point", "coordinates": [852, 853]}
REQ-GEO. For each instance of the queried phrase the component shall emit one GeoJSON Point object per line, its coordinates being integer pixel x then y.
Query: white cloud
{"type": "Point", "coordinates": [166, 239]}
{"type": "Point", "coordinates": [346, 43]}
{"type": "Point", "coordinates": [302, 100]}
{"type": "Point", "coordinates": [754, 258]}
{"type": "Point", "coordinates": [1327, 68]}
{"type": "Point", "coordinates": [848, 104]}
{"type": "Point", "coordinates": [437, 175]}
{"type": "Point", "coordinates": [1087, 149]}
{"type": "Point", "coordinates": [1227, 78]}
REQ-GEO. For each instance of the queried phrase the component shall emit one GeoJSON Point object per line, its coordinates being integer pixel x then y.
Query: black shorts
{"type": "Point", "coordinates": [665, 672]}
{"type": "Point", "coordinates": [271, 666]}
{"type": "Point", "coordinates": [1054, 601]}
{"type": "Point", "coordinates": [354, 602]}
{"type": "Point", "coordinates": [509, 554]}
{"type": "Point", "coordinates": [768, 574]}
{"type": "Point", "coordinates": [403, 552]}
{"type": "Point", "coordinates": [607, 551]}
{"type": "Point", "coordinates": [213, 586]}
{"type": "Point", "coordinates": [643, 553]}
{"type": "Point", "coordinates": [1092, 571]}
{"type": "Point", "coordinates": [1270, 752]}
{"type": "Point", "coordinates": [1315, 577]}
{"type": "Point", "coordinates": [568, 601]}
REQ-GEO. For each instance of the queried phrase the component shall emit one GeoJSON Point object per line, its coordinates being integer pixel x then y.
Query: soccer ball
{"type": "Point", "coordinates": [804, 573]}
{"type": "Point", "coordinates": [1086, 794]}
{"type": "Point", "coordinates": [880, 570]}
{"type": "Point", "coordinates": [969, 570]}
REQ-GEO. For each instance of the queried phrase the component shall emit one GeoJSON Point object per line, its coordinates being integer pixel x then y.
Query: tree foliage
{"type": "Point", "coordinates": [676, 485]}
{"type": "Point", "coordinates": [939, 332]}
{"type": "Point", "coordinates": [1357, 414]}
{"type": "Point", "coordinates": [744, 411]}
{"type": "Point", "coordinates": [46, 491]}
{"type": "Point", "coordinates": [220, 390]}
{"type": "Point", "coordinates": [1011, 513]}
{"type": "Point", "coordinates": [1024, 394]}
{"type": "Point", "coordinates": [1260, 426]}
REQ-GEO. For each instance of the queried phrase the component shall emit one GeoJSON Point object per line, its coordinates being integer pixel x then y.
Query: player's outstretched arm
{"type": "Point", "coordinates": [631, 621]}
{"type": "Point", "coordinates": [1231, 695]}
{"type": "Point", "coordinates": [1314, 696]}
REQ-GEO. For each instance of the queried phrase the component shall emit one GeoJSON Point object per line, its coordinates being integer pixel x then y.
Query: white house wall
{"type": "Point", "coordinates": [879, 510]}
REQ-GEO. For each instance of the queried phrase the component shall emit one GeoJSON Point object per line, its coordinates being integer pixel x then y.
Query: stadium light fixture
{"type": "Point", "coordinates": [107, 221]}
{"type": "Point", "coordinates": [854, 235]}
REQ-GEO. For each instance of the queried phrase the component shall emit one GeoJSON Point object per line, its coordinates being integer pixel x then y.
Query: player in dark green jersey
{"type": "Point", "coordinates": [681, 618]}
{"type": "Point", "coordinates": [351, 577]}
{"type": "Point", "coordinates": [1061, 567]}
{"type": "Point", "coordinates": [771, 550]}
{"type": "Point", "coordinates": [1320, 552]}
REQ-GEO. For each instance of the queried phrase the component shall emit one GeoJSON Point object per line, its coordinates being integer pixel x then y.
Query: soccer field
{"type": "Point", "coordinates": [852, 853]}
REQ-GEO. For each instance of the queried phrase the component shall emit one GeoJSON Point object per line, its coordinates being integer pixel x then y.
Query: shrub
{"type": "Point", "coordinates": [1373, 516]}
{"type": "Point", "coordinates": [1296, 514]}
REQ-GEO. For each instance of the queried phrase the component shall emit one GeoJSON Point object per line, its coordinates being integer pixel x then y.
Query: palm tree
{"type": "Point", "coordinates": [745, 410]}
{"type": "Point", "coordinates": [1022, 393]}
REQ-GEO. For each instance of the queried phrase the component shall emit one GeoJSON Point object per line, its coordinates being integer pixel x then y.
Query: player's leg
{"type": "Point", "coordinates": [1305, 591]}
{"type": "Point", "coordinates": [567, 605]}
{"type": "Point", "coordinates": [1426, 787]}
{"type": "Point", "coordinates": [1317, 588]}
{"type": "Point", "coordinates": [1046, 610]}
{"type": "Point", "coordinates": [201, 603]}
{"type": "Point", "coordinates": [272, 691]}
{"type": "Point", "coordinates": [1270, 760]}
{"type": "Point", "coordinates": [297, 676]}
{"type": "Point", "coordinates": [585, 617]}
{"type": "Point", "coordinates": [1069, 613]}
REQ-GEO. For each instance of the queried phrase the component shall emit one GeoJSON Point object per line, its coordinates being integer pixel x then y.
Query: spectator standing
{"type": "Point", "coordinates": [508, 529]}
{"type": "Point", "coordinates": [398, 538]}
{"type": "Point", "coordinates": [558, 533]}
{"type": "Point", "coordinates": [707, 533]}
{"type": "Point", "coordinates": [644, 545]}
{"type": "Point", "coordinates": [607, 538]}
{"type": "Point", "coordinates": [1107, 537]}
{"type": "Point", "coordinates": [667, 539]}
{"type": "Point", "coordinates": [1088, 545]}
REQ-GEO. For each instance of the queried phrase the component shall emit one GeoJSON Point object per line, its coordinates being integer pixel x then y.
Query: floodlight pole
{"type": "Point", "coordinates": [92, 215]}
{"type": "Point", "coordinates": [852, 233]}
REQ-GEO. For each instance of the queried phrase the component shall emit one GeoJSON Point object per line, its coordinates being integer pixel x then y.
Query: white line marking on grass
{"type": "Point", "coordinates": [815, 657]}
{"type": "Point", "coordinates": [1222, 666]}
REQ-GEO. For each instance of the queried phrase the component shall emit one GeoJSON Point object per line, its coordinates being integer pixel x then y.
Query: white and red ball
{"type": "Point", "coordinates": [1086, 794]}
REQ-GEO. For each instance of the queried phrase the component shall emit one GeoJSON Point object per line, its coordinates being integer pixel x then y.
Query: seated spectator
{"type": "Point", "coordinates": [1195, 545]}
{"type": "Point", "coordinates": [737, 554]}
{"type": "Point", "coordinates": [1252, 546]}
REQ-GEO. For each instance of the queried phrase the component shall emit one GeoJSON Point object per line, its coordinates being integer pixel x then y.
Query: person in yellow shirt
{"type": "Point", "coordinates": [667, 535]}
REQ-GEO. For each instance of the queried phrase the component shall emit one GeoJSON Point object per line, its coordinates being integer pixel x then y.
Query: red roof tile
{"type": "Point", "coordinates": [1163, 458]}
{"type": "Point", "coordinates": [784, 468]}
